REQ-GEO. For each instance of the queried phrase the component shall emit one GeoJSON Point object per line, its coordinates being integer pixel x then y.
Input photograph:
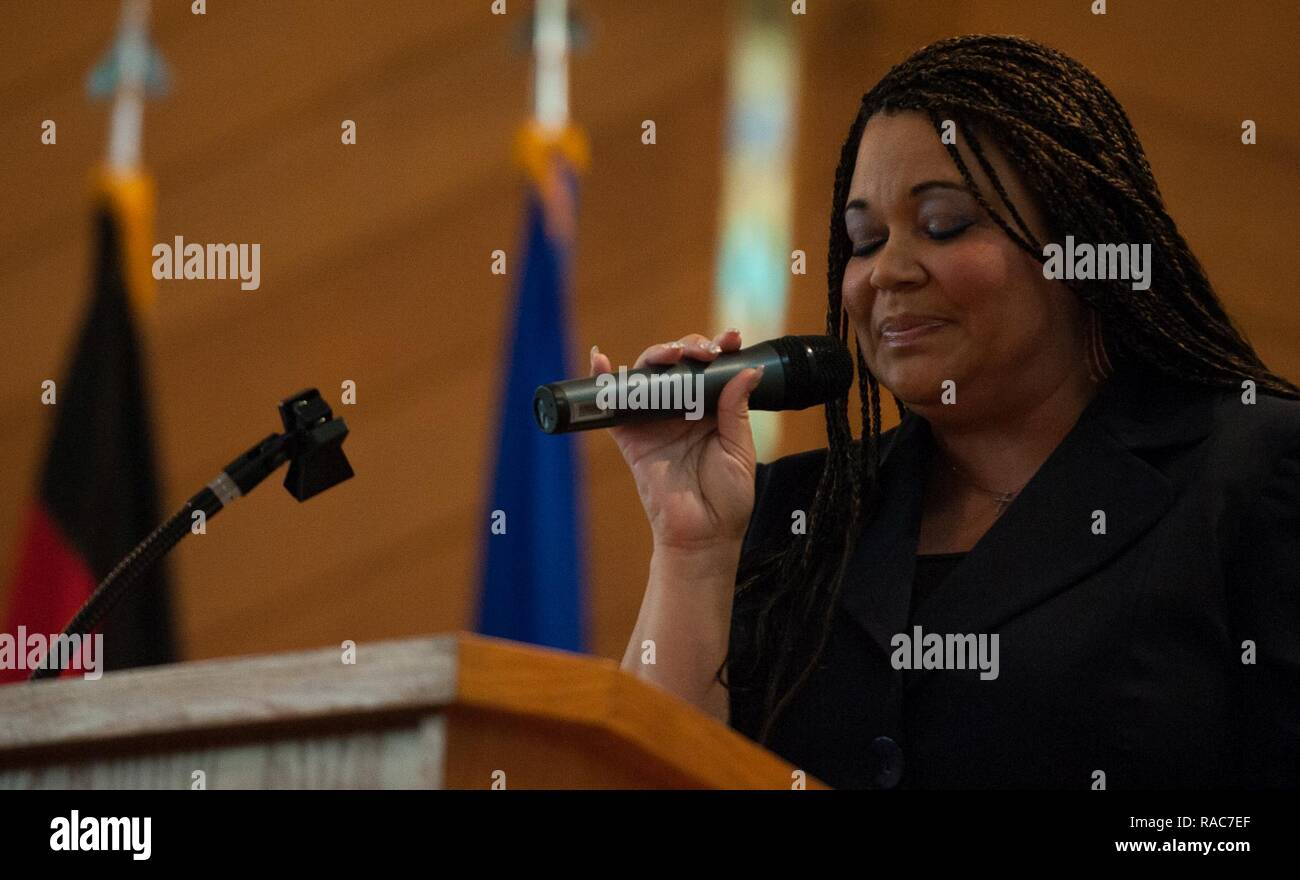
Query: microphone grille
{"type": "Point", "coordinates": [818, 369]}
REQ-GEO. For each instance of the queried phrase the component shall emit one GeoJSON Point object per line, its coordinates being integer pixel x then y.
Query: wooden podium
{"type": "Point", "coordinates": [448, 711]}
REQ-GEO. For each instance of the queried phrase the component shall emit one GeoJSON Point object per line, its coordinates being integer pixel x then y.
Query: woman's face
{"type": "Point", "coordinates": [937, 291]}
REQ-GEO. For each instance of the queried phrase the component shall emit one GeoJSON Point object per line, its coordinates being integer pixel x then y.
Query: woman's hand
{"type": "Point", "coordinates": [695, 478]}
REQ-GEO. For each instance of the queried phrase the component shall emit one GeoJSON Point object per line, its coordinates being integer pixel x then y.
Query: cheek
{"type": "Point", "coordinates": [859, 299]}
{"type": "Point", "coordinates": [977, 277]}
{"type": "Point", "coordinates": [858, 294]}
{"type": "Point", "coordinates": [998, 294]}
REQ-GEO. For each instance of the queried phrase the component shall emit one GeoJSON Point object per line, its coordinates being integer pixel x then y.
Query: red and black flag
{"type": "Point", "coordinates": [99, 489]}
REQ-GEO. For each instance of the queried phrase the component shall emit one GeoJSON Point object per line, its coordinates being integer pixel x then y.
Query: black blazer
{"type": "Point", "coordinates": [1119, 652]}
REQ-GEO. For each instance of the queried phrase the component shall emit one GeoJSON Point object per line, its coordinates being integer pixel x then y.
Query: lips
{"type": "Point", "coordinates": [904, 329]}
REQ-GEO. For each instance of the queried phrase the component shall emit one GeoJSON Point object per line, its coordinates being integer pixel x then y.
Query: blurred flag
{"type": "Point", "coordinates": [98, 495]}
{"type": "Point", "coordinates": [755, 262]}
{"type": "Point", "coordinates": [533, 587]}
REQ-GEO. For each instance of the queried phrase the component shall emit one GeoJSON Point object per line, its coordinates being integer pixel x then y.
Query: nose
{"type": "Point", "coordinates": [895, 267]}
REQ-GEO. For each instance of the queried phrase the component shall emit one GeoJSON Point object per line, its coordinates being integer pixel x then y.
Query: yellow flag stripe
{"type": "Point", "coordinates": [535, 147]}
{"type": "Point", "coordinates": [129, 195]}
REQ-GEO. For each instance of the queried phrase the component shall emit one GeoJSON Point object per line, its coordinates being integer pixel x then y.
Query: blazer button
{"type": "Point", "coordinates": [887, 758]}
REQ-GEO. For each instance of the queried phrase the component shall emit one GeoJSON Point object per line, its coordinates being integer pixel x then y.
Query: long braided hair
{"type": "Point", "coordinates": [1072, 142]}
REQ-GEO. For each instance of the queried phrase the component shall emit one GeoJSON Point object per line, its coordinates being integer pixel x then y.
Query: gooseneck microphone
{"type": "Point", "coordinates": [799, 371]}
{"type": "Point", "coordinates": [312, 444]}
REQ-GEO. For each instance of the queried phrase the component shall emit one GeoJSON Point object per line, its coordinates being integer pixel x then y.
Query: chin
{"type": "Point", "coordinates": [914, 384]}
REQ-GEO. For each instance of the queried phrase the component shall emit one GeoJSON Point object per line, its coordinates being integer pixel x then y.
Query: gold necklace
{"type": "Point", "coordinates": [1003, 499]}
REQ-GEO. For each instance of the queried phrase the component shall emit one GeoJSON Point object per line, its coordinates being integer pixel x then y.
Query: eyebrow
{"type": "Point", "coordinates": [861, 204]}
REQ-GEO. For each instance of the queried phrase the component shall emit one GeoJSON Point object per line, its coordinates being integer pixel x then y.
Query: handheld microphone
{"type": "Point", "coordinates": [799, 371]}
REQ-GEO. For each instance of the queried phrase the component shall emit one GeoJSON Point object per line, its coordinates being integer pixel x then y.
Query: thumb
{"type": "Point", "coordinates": [733, 414]}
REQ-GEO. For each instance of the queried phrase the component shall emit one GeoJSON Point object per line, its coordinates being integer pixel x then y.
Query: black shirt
{"type": "Point", "coordinates": [931, 571]}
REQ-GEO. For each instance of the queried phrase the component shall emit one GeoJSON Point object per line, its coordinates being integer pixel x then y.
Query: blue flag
{"type": "Point", "coordinates": [533, 586]}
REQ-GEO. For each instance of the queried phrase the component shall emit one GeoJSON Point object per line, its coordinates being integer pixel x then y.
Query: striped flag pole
{"type": "Point", "coordinates": [98, 493]}
{"type": "Point", "coordinates": [534, 570]}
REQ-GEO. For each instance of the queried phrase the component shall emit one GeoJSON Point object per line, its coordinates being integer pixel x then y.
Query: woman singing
{"type": "Point", "coordinates": [1075, 563]}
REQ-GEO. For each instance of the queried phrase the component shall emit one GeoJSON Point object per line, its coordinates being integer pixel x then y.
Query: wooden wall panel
{"type": "Point", "coordinates": [375, 257]}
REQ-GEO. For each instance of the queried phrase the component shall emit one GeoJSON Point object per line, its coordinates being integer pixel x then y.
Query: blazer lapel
{"type": "Point", "coordinates": [878, 588]}
{"type": "Point", "coordinates": [1044, 542]}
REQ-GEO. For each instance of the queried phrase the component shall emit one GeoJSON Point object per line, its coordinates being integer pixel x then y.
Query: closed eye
{"type": "Point", "coordinates": [951, 232]}
{"type": "Point", "coordinates": [869, 248]}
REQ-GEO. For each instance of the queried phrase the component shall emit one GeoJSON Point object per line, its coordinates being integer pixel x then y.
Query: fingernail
{"type": "Point", "coordinates": [674, 345]}
{"type": "Point", "coordinates": [733, 330]}
{"type": "Point", "coordinates": [758, 377]}
{"type": "Point", "coordinates": [711, 347]}
{"type": "Point", "coordinates": [595, 350]}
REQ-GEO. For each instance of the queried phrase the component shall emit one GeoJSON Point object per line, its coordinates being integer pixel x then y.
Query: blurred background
{"type": "Point", "coordinates": [376, 257]}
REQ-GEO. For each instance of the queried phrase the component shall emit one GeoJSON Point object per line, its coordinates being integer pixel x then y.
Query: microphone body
{"type": "Point", "coordinates": [799, 371]}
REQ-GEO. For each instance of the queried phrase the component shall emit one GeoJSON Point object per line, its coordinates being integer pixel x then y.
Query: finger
{"type": "Point", "coordinates": [696, 346]}
{"type": "Point", "coordinates": [663, 353]}
{"type": "Point", "coordinates": [599, 362]}
{"type": "Point", "coordinates": [733, 414]}
{"type": "Point", "coordinates": [700, 347]}
{"type": "Point", "coordinates": [693, 345]}
{"type": "Point", "coordinates": [728, 340]}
